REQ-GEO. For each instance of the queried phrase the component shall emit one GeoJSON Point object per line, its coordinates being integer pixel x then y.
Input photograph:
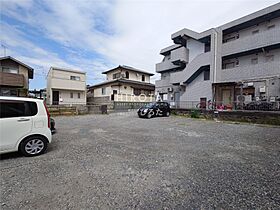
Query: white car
{"type": "Point", "coordinates": [24, 126]}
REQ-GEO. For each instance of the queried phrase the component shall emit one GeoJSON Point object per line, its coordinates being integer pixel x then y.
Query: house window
{"type": "Point", "coordinates": [71, 95]}
{"type": "Point", "coordinates": [103, 91]}
{"type": "Point", "coordinates": [255, 32]}
{"type": "Point", "coordinates": [116, 76]}
{"type": "Point", "coordinates": [79, 95]}
{"type": "Point", "coordinates": [9, 70]}
{"type": "Point", "coordinates": [254, 61]}
{"type": "Point", "coordinates": [127, 75]}
{"type": "Point", "coordinates": [206, 75]}
{"type": "Point", "coordinates": [269, 58]}
{"type": "Point", "coordinates": [136, 92]}
{"type": "Point", "coordinates": [75, 78]}
{"type": "Point", "coordinates": [143, 78]}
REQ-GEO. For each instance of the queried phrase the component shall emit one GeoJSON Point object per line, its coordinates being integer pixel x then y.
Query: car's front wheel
{"type": "Point", "coordinates": [33, 145]}
{"type": "Point", "coordinates": [167, 114]}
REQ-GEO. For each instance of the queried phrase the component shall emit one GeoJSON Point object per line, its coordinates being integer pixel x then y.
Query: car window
{"type": "Point", "coordinates": [10, 109]}
{"type": "Point", "coordinates": [150, 105]}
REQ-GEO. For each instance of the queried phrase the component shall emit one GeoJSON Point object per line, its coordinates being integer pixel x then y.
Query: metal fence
{"type": "Point", "coordinates": [126, 106]}
{"type": "Point", "coordinates": [237, 105]}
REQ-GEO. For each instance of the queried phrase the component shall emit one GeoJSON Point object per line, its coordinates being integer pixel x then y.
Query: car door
{"type": "Point", "coordinates": [160, 111]}
{"type": "Point", "coordinates": [14, 123]}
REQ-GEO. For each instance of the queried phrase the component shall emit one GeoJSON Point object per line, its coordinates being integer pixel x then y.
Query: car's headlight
{"type": "Point", "coordinates": [145, 110]}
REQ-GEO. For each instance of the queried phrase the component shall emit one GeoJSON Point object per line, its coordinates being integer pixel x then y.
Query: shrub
{"type": "Point", "coordinates": [195, 114]}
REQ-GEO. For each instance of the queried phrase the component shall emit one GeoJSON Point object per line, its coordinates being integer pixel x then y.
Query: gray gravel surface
{"type": "Point", "coordinates": [119, 161]}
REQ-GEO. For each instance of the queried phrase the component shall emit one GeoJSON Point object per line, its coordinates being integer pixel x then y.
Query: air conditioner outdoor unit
{"type": "Point", "coordinates": [170, 89]}
{"type": "Point", "coordinates": [262, 89]}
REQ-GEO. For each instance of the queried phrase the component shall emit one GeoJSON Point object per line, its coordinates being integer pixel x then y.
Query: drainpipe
{"type": "Point", "coordinates": [215, 55]}
{"type": "Point", "coordinates": [215, 63]}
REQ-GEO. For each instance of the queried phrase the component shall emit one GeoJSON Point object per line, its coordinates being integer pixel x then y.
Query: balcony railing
{"type": "Point", "coordinates": [250, 72]}
{"type": "Point", "coordinates": [243, 44]}
{"type": "Point", "coordinates": [57, 83]}
{"type": "Point", "coordinates": [9, 79]}
{"type": "Point", "coordinates": [165, 65]}
{"type": "Point", "coordinates": [162, 83]}
{"type": "Point", "coordinates": [180, 55]}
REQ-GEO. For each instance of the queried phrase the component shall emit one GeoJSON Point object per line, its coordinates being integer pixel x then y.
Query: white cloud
{"type": "Point", "coordinates": [122, 31]}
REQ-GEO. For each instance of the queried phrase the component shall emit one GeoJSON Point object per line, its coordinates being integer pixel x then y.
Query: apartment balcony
{"type": "Point", "coordinates": [199, 61]}
{"type": "Point", "coordinates": [64, 84]}
{"type": "Point", "coordinates": [262, 39]}
{"type": "Point", "coordinates": [165, 66]}
{"type": "Point", "coordinates": [251, 72]}
{"type": "Point", "coordinates": [180, 55]}
{"type": "Point", "coordinates": [162, 83]}
{"type": "Point", "coordinates": [9, 79]}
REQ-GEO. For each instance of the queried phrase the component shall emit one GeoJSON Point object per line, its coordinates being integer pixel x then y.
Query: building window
{"type": "Point", "coordinates": [255, 32]}
{"type": "Point", "coordinates": [231, 37]}
{"type": "Point", "coordinates": [103, 91]}
{"type": "Point", "coordinates": [143, 78]}
{"type": "Point", "coordinates": [79, 95]}
{"type": "Point", "coordinates": [116, 76]}
{"type": "Point", "coordinates": [207, 47]}
{"type": "Point", "coordinates": [127, 75]}
{"type": "Point", "coordinates": [228, 65]}
{"type": "Point", "coordinates": [270, 27]}
{"type": "Point", "coordinates": [9, 70]}
{"type": "Point", "coordinates": [269, 58]}
{"type": "Point", "coordinates": [206, 75]}
{"type": "Point", "coordinates": [136, 92]}
{"type": "Point", "coordinates": [8, 92]}
{"type": "Point", "coordinates": [75, 78]}
{"type": "Point", "coordinates": [254, 61]}
{"type": "Point", "coordinates": [71, 95]}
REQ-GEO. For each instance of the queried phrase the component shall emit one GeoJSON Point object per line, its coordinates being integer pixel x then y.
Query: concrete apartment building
{"type": "Point", "coordinates": [241, 57]}
{"type": "Point", "coordinates": [124, 83]}
{"type": "Point", "coordinates": [14, 77]}
{"type": "Point", "coordinates": [66, 87]}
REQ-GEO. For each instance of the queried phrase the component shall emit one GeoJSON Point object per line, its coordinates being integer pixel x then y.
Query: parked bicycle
{"type": "Point", "coordinates": [203, 105]}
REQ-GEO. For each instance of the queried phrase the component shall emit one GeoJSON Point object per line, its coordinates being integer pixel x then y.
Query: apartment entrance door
{"type": "Point", "coordinates": [55, 98]}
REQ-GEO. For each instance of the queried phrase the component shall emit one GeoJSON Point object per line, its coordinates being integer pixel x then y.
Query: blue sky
{"type": "Point", "coordinates": [95, 35]}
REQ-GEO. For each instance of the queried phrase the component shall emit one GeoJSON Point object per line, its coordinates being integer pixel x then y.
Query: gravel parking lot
{"type": "Point", "coordinates": [119, 161]}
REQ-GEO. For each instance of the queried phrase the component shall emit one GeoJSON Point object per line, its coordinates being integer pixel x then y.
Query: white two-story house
{"type": "Point", "coordinates": [66, 87]}
{"type": "Point", "coordinates": [124, 83]}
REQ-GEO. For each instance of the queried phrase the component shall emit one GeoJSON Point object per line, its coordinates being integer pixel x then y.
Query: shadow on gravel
{"type": "Point", "coordinates": [11, 155]}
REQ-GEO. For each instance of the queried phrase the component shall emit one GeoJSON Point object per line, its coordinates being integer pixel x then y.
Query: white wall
{"type": "Point", "coordinates": [195, 48]}
{"type": "Point", "coordinates": [132, 75]}
{"type": "Point", "coordinates": [66, 99]}
{"type": "Point", "coordinates": [197, 89]}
